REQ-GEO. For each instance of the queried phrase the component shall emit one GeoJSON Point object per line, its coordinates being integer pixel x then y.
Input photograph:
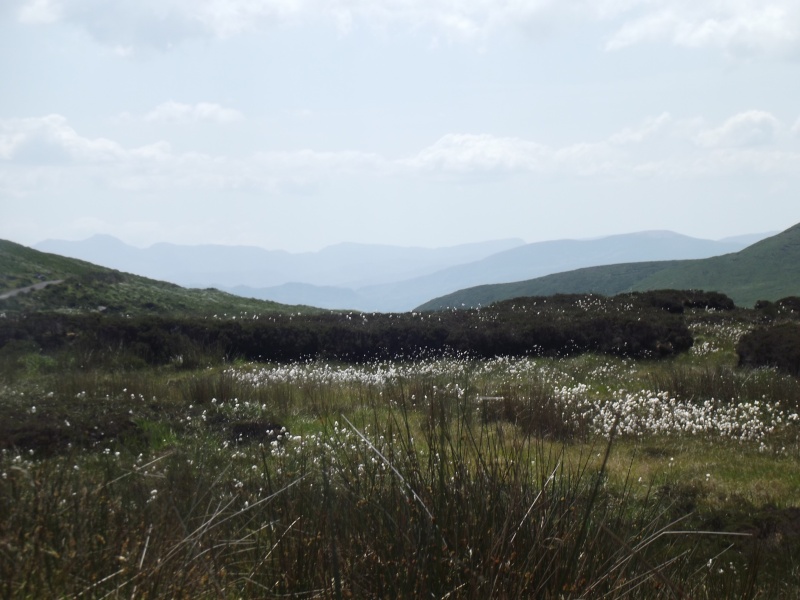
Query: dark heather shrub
{"type": "Point", "coordinates": [712, 300]}
{"type": "Point", "coordinates": [785, 307]}
{"type": "Point", "coordinates": [791, 304]}
{"type": "Point", "coordinates": [675, 301]}
{"type": "Point", "coordinates": [774, 346]}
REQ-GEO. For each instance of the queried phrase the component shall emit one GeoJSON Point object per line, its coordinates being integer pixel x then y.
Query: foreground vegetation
{"type": "Point", "coordinates": [557, 475]}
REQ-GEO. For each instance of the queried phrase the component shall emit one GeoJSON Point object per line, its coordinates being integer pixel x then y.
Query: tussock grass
{"type": "Point", "coordinates": [470, 510]}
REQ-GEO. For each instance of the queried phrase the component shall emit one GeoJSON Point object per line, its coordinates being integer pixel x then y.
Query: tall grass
{"type": "Point", "coordinates": [726, 383]}
{"type": "Point", "coordinates": [400, 501]}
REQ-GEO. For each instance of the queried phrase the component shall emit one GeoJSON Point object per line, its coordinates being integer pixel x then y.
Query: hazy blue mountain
{"type": "Point", "coordinates": [749, 239]}
{"type": "Point", "coordinates": [543, 258]}
{"type": "Point", "coordinates": [523, 262]}
{"type": "Point", "coordinates": [343, 265]}
{"type": "Point", "coordinates": [314, 295]}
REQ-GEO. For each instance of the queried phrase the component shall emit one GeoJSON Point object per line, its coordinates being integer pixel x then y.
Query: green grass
{"type": "Point", "coordinates": [21, 266]}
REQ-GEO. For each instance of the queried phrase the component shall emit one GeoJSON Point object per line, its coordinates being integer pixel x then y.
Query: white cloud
{"type": "Point", "coordinates": [176, 112]}
{"type": "Point", "coordinates": [743, 27]}
{"type": "Point", "coordinates": [796, 127]}
{"type": "Point", "coordinates": [661, 146]}
{"type": "Point", "coordinates": [636, 135]}
{"type": "Point", "coordinates": [466, 18]}
{"type": "Point", "coordinates": [121, 24]}
{"type": "Point", "coordinates": [162, 22]}
{"type": "Point", "coordinates": [50, 143]}
{"type": "Point", "coordinates": [50, 139]}
{"type": "Point", "coordinates": [46, 152]}
{"type": "Point", "coordinates": [39, 12]}
{"type": "Point", "coordinates": [750, 128]}
{"type": "Point", "coordinates": [740, 27]}
{"type": "Point", "coordinates": [465, 152]}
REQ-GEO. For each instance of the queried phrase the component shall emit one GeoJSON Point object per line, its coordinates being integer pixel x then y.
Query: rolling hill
{"type": "Point", "coordinates": [80, 287]}
{"type": "Point", "coordinates": [766, 270]}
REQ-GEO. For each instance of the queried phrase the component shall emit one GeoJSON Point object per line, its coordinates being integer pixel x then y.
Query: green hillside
{"type": "Point", "coordinates": [21, 266]}
{"type": "Point", "coordinates": [767, 270]}
{"type": "Point", "coordinates": [84, 287]}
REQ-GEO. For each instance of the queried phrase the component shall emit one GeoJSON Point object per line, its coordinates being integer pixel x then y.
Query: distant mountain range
{"type": "Point", "coordinates": [377, 277]}
{"type": "Point", "coordinates": [766, 270]}
{"type": "Point", "coordinates": [345, 265]}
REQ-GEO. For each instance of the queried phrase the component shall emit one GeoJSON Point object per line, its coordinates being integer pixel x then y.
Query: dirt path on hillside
{"type": "Point", "coordinates": [30, 288]}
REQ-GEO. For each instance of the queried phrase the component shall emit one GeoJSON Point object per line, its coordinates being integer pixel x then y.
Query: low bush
{"type": "Point", "coordinates": [629, 325]}
{"type": "Point", "coordinates": [675, 301]}
{"type": "Point", "coordinates": [773, 346]}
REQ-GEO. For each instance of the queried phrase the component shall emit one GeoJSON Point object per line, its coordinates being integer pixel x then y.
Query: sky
{"type": "Point", "coordinates": [298, 124]}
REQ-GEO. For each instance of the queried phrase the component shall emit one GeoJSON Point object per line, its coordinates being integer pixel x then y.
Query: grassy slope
{"type": "Point", "coordinates": [87, 287]}
{"type": "Point", "coordinates": [21, 266]}
{"type": "Point", "coordinates": [768, 270]}
{"type": "Point", "coordinates": [608, 280]}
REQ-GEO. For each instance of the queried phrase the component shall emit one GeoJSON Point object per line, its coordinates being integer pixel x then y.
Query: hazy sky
{"type": "Point", "coordinates": [296, 124]}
